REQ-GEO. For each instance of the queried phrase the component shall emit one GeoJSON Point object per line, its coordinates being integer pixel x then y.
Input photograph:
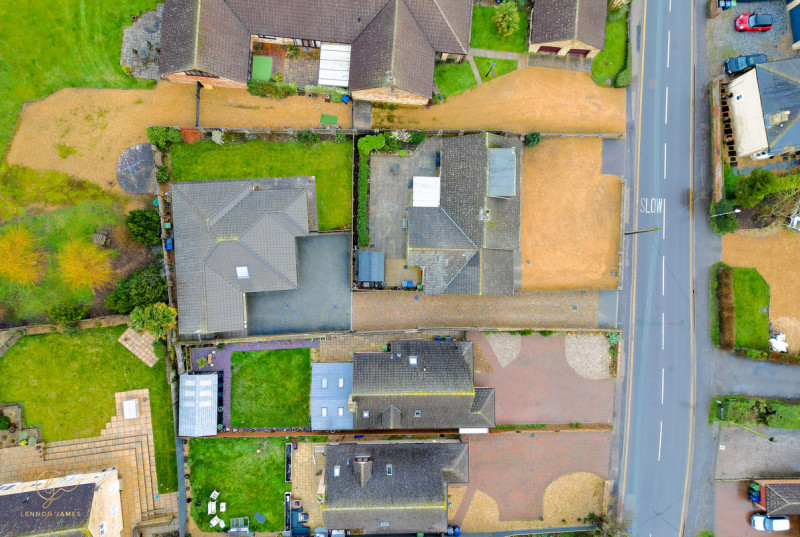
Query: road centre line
{"type": "Point", "coordinates": [662, 274]}
{"type": "Point", "coordinates": [670, 6]}
{"type": "Point", "coordinates": [662, 385]}
{"type": "Point", "coordinates": [665, 160]}
{"type": "Point", "coordinates": [666, 108]}
{"type": "Point", "coordinates": [660, 434]}
{"type": "Point", "coordinates": [662, 331]}
{"type": "Point", "coordinates": [664, 222]}
{"type": "Point", "coordinates": [669, 36]}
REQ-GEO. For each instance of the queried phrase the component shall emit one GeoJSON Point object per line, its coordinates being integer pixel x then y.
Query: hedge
{"type": "Point", "coordinates": [366, 145]}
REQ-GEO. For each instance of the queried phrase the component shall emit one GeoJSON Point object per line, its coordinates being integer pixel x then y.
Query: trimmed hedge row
{"type": "Point", "coordinates": [366, 145]}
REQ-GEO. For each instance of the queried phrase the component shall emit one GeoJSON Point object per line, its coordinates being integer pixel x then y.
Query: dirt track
{"type": "Point", "coordinates": [529, 99]}
{"type": "Point", "coordinates": [570, 217]}
{"type": "Point", "coordinates": [98, 124]}
{"type": "Point", "coordinates": [775, 253]}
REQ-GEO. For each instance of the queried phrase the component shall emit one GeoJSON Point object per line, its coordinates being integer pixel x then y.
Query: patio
{"type": "Point", "coordinates": [296, 64]}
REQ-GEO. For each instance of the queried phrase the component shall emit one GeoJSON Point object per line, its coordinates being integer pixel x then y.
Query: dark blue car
{"type": "Point", "coordinates": [742, 63]}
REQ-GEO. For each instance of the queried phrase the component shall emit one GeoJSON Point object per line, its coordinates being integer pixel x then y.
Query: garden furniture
{"type": "Point", "coordinates": [212, 508]}
{"type": "Point", "coordinates": [214, 521]}
{"type": "Point", "coordinates": [215, 494]}
{"type": "Point", "coordinates": [222, 507]}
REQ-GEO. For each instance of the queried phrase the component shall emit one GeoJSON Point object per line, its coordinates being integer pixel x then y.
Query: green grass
{"type": "Point", "coordinates": [52, 44]}
{"type": "Point", "coordinates": [270, 388]}
{"type": "Point", "coordinates": [66, 384]}
{"type": "Point", "coordinates": [53, 230]}
{"type": "Point", "coordinates": [611, 60]}
{"type": "Point", "coordinates": [750, 296]}
{"type": "Point", "coordinates": [484, 32]}
{"type": "Point", "coordinates": [453, 78]}
{"type": "Point", "coordinates": [756, 411]}
{"type": "Point", "coordinates": [262, 68]}
{"type": "Point", "coordinates": [502, 67]}
{"type": "Point", "coordinates": [329, 162]}
{"type": "Point", "coordinates": [731, 180]}
{"type": "Point", "coordinates": [247, 481]}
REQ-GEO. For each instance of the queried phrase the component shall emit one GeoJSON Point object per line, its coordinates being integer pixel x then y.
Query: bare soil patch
{"type": "Point", "coordinates": [572, 497]}
{"type": "Point", "coordinates": [529, 99]}
{"type": "Point", "coordinates": [570, 216]}
{"type": "Point", "coordinates": [775, 253]}
{"type": "Point", "coordinates": [82, 131]}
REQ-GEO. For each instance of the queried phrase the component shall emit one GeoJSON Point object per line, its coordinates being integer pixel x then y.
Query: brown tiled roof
{"type": "Point", "coordinates": [223, 46]}
{"type": "Point", "coordinates": [783, 498]}
{"type": "Point", "coordinates": [559, 20]}
{"type": "Point", "coordinates": [393, 51]}
{"type": "Point", "coordinates": [178, 36]}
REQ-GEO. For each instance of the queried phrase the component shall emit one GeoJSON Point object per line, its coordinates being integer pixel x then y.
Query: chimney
{"type": "Point", "coordinates": [362, 466]}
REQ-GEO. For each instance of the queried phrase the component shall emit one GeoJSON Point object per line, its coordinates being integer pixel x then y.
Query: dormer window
{"type": "Point", "coordinates": [242, 272]}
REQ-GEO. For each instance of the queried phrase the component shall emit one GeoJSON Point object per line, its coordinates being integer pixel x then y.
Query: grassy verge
{"type": "Point", "coordinates": [613, 58]}
{"type": "Point", "coordinates": [502, 67]}
{"type": "Point", "coordinates": [756, 411]}
{"type": "Point", "coordinates": [284, 376]}
{"type": "Point", "coordinates": [330, 163]}
{"type": "Point", "coordinates": [453, 78]}
{"type": "Point", "coordinates": [485, 35]}
{"type": "Point", "coordinates": [85, 52]}
{"type": "Point", "coordinates": [67, 384]}
{"type": "Point", "coordinates": [750, 297]}
{"type": "Point", "coordinates": [713, 302]}
{"type": "Point", "coordinates": [248, 481]}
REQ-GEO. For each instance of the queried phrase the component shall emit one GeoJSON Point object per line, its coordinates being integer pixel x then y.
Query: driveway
{"type": "Point", "coordinates": [734, 510]}
{"type": "Point", "coordinates": [744, 455]}
{"type": "Point", "coordinates": [539, 386]}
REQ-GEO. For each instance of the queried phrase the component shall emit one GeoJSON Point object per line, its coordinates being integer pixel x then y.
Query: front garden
{"type": "Point", "coordinates": [66, 384]}
{"type": "Point", "coordinates": [739, 308]}
{"type": "Point", "coordinates": [453, 78]}
{"type": "Point", "coordinates": [270, 388]}
{"type": "Point", "coordinates": [485, 33]}
{"type": "Point", "coordinates": [612, 66]}
{"type": "Point", "coordinates": [501, 67]}
{"type": "Point", "coordinates": [754, 412]}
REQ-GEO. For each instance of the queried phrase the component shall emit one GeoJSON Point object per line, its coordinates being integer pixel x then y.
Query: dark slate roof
{"type": "Point", "coordinates": [70, 511]}
{"type": "Point", "coordinates": [178, 36]}
{"type": "Point", "coordinates": [779, 88]}
{"type": "Point", "coordinates": [330, 396]}
{"type": "Point", "coordinates": [783, 498]}
{"type": "Point", "coordinates": [197, 410]}
{"type": "Point", "coordinates": [411, 500]}
{"type": "Point", "coordinates": [436, 393]}
{"type": "Point", "coordinates": [560, 20]}
{"type": "Point", "coordinates": [370, 266]}
{"type": "Point", "coordinates": [221, 225]}
{"type": "Point", "coordinates": [393, 51]}
{"type": "Point", "coordinates": [464, 244]}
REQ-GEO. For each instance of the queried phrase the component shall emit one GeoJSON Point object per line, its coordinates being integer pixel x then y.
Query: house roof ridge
{"type": "Point", "coordinates": [216, 216]}
{"type": "Point", "coordinates": [235, 14]}
{"type": "Point", "coordinates": [303, 192]}
{"type": "Point", "coordinates": [449, 26]}
{"type": "Point", "coordinates": [267, 264]}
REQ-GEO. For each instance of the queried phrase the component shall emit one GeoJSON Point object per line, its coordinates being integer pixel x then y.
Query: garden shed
{"type": "Point", "coordinates": [370, 266]}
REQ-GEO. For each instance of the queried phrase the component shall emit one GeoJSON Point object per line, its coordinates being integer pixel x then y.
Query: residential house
{"type": "Point", "coordinates": [391, 488]}
{"type": "Point", "coordinates": [390, 46]}
{"type": "Point", "coordinates": [764, 107]}
{"type": "Point", "coordinates": [464, 228]}
{"type": "Point", "coordinates": [779, 497]}
{"type": "Point", "coordinates": [419, 384]}
{"type": "Point", "coordinates": [78, 505]}
{"type": "Point", "coordinates": [564, 27]}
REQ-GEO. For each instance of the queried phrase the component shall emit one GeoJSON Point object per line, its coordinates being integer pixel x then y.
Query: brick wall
{"type": "Point", "coordinates": [565, 46]}
{"type": "Point", "coordinates": [181, 78]}
{"type": "Point", "coordinates": [386, 95]}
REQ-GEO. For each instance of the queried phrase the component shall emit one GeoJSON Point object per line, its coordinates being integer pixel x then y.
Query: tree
{"type": "Point", "coordinates": [145, 226]}
{"type": "Point", "coordinates": [162, 136]}
{"type": "Point", "coordinates": [20, 262]}
{"type": "Point", "coordinates": [82, 264]}
{"type": "Point", "coordinates": [141, 288]}
{"type": "Point", "coordinates": [506, 18]}
{"type": "Point", "coordinates": [532, 139]}
{"type": "Point", "coordinates": [157, 319]}
{"type": "Point", "coordinates": [753, 188]}
{"type": "Point", "coordinates": [66, 313]}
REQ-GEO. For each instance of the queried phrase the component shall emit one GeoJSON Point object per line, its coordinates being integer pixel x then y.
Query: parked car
{"type": "Point", "coordinates": [763, 522]}
{"type": "Point", "coordinates": [742, 63]}
{"type": "Point", "coordinates": [753, 22]}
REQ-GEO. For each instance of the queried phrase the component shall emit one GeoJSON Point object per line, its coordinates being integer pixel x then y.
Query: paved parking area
{"type": "Point", "coordinates": [539, 386]}
{"type": "Point", "coordinates": [734, 510]}
{"type": "Point", "coordinates": [746, 455]}
{"type": "Point", "coordinates": [724, 42]}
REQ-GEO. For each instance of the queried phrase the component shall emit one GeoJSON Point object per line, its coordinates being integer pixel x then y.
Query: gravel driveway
{"type": "Point", "coordinates": [724, 42]}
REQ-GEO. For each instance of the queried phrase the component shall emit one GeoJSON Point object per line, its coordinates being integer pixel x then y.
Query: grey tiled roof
{"type": "Point", "coordinates": [197, 410]}
{"type": "Point", "coordinates": [223, 43]}
{"type": "Point", "coordinates": [413, 499]}
{"type": "Point", "coordinates": [436, 393]}
{"type": "Point", "coordinates": [178, 36]}
{"type": "Point", "coordinates": [779, 89]}
{"type": "Point", "coordinates": [783, 498]}
{"type": "Point", "coordinates": [560, 20]}
{"type": "Point", "coordinates": [326, 393]}
{"type": "Point", "coordinates": [371, 266]}
{"type": "Point", "coordinates": [69, 513]}
{"type": "Point", "coordinates": [221, 225]}
{"type": "Point", "coordinates": [469, 219]}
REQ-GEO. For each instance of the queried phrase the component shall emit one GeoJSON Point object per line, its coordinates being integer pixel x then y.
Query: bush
{"type": "Point", "coordinates": [5, 423]}
{"type": "Point", "coordinates": [532, 139]}
{"type": "Point", "coordinates": [340, 137]}
{"type": "Point", "coordinates": [156, 319]}
{"type": "Point", "coordinates": [161, 137]}
{"type": "Point", "coordinates": [417, 137]}
{"type": "Point", "coordinates": [623, 79]}
{"type": "Point", "coordinates": [307, 139]}
{"type": "Point", "coordinates": [506, 18]}
{"type": "Point", "coordinates": [753, 188]}
{"type": "Point", "coordinates": [145, 226]}
{"type": "Point", "coordinates": [160, 350]}
{"type": "Point", "coordinates": [366, 145]}
{"type": "Point", "coordinates": [141, 288]}
{"type": "Point", "coordinates": [335, 92]}
{"type": "Point", "coordinates": [726, 223]}
{"type": "Point", "coordinates": [273, 88]}
{"type": "Point", "coordinates": [613, 338]}
{"type": "Point", "coordinates": [392, 144]}
{"type": "Point", "coordinates": [162, 174]}
{"type": "Point", "coordinates": [81, 264]}
{"type": "Point", "coordinates": [66, 313]}
{"type": "Point", "coordinates": [20, 263]}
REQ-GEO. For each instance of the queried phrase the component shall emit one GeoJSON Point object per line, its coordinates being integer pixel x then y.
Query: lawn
{"type": "Point", "coordinates": [756, 411]}
{"type": "Point", "coordinates": [270, 388]}
{"type": "Point", "coordinates": [248, 482]}
{"type": "Point", "coordinates": [502, 67]}
{"type": "Point", "coordinates": [66, 384]}
{"type": "Point", "coordinates": [30, 303]}
{"type": "Point", "coordinates": [453, 78]}
{"type": "Point", "coordinates": [611, 60]}
{"type": "Point", "coordinates": [329, 162]}
{"type": "Point", "coordinates": [750, 297]}
{"type": "Point", "coordinates": [52, 44]}
{"type": "Point", "coordinates": [484, 32]}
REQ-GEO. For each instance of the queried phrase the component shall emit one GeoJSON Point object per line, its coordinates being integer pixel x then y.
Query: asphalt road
{"type": "Point", "coordinates": [657, 421]}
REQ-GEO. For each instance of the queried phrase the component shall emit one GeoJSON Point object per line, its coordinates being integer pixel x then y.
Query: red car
{"type": "Point", "coordinates": [753, 22]}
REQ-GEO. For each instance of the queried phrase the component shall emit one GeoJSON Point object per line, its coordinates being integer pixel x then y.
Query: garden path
{"type": "Point", "coordinates": [475, 72]}
{"type": "Point", "coordinates": [520, 57]}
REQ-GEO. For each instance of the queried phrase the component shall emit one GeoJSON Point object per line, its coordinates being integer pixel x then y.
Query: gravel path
{"type": "Point", "coordinates": [587, 354]}
{"type": "Point", "coordinates": [505, 346]}
{"type": "Point", "coordinates": [400, 310]}
{"type": "Point", "coordinates": [572, 497]}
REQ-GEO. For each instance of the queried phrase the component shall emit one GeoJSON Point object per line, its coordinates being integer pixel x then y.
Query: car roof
{"type": "Point", "coordinates": [760, 19]}
{"type": "Point", "coordinates": [776, 523]}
